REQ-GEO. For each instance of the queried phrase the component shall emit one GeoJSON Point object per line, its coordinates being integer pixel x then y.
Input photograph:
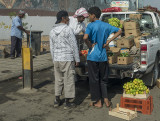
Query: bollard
{"type": "Point", "coordinates": [27, 68]}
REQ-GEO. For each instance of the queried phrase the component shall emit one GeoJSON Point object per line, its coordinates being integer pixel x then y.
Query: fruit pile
{"type": "Point", "coordinates": [83, 52]}
{"type": "Point", "coordinates": [135, 87]}
{"type": "Point", "coordinates": [115, 22]}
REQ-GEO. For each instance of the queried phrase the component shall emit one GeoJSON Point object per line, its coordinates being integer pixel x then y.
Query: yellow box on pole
{"type": "Point", "coordinates": [27, 68]}
{"type": "Point", "coordinates": [26, 57]}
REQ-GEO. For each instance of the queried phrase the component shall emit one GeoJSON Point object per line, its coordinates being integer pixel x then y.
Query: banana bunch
{"type": "Point", "coordinates": [115, 22]}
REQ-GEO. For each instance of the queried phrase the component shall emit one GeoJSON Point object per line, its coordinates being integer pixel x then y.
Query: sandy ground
{"type": "Point", "coordinates": [38, 106]}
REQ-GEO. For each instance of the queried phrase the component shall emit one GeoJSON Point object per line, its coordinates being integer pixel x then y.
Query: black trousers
{"type": "Point", "coordinates": [98, 79]}
{"type": "Point", "coordinates": [16, 45]}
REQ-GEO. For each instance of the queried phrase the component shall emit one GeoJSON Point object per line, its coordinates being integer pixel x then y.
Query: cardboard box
{"type": "Point", "coordinates": [125, 42]}
{"type": "Point", "coordinates": [122, 22]}
{"type": "Point", "coordinates": [135, 16]}
{"type": "Point", "coordinates": [131, 25]}
{"type": "Point", "coordinates": [137, 41]}
{"type": "Point", "coordinates": [124, 60]}
{"type": "Point", "coordinates": [134, 32]}
{"type": "Point", "coordinates": [158, 83]}
{"type": "Point", "coordinates": [115, 50]}
{"type": "Point", "coordinates": [125, 51]}
{"type": "Point", "coordinates": [112, 59]}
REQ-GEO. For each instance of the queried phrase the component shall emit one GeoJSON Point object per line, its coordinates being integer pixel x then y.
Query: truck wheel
{"type": "Point", "coordinates": [155, 72]}
{"type": "Point", "coordinates": [151, 78]}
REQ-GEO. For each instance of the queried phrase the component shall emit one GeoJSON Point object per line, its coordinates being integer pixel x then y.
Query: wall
{"type": "Point", "coordinates": [44, 24]}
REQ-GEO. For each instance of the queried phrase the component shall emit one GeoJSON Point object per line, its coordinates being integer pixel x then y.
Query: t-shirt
{"type": "Point", "coordinates": [98, 32]}
{"type": "Point", "coordinates": [14, 30]}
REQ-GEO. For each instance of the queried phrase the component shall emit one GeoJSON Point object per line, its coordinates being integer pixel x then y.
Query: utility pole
{"type": "Point", "coordinates": [137, 4]}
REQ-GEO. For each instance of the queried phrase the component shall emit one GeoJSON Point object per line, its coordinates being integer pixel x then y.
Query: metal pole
{"type": "Point", "coordinates": [30, 37]}
{"type": "Point", "coordinates": [137, 4]}
{"type": "Point", "coordinates": [27, 68]}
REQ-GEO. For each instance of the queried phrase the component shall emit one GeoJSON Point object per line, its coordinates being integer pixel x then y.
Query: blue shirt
{"type": "Point", "coordinates": [98, 32]}
{"type": "Point", "coordinates": [14, 30]}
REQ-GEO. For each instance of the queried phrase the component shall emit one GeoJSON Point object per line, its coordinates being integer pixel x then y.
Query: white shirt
{"type": "Point", "coordinates": [63, 44]}
{"type": "Point", "coordinates": [76, 26]}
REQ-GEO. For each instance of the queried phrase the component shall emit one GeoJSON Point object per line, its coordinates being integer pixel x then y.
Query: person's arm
{"type": "Point", "coordinates": [74, 46]}
{"type": "Point", "coordinates": [115, 36]}
{"type": "Point", "coordinates": [19, 26]}
{"type": "Point", "coordinates": [22, 29]}
{"type": "Point", "coordinates": [86, 37]}
{"type": "Point", "coordinates": [51, 45]}
{"type": "Point", "coordinates": [88, 43]}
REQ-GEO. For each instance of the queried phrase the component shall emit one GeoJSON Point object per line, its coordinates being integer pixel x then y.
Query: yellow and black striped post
{"type": "Point", "coordinates": [27, 68]}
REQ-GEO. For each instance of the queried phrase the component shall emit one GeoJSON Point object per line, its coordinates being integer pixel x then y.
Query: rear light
{"type": "Point", "coordinates": [143, 47]}
{"type": "Point", "coordinates": [144, 54]}
{"type": "Point", "coordinates": [143, 62]}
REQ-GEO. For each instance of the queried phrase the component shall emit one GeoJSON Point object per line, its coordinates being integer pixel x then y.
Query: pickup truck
{"type": "Point", "coordinates": [147, 67]}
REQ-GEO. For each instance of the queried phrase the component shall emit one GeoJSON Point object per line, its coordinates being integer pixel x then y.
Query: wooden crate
{"type": "Point", "coordinates": [143, 105]}
{"type": "Point", "coordinates": [123, 113]}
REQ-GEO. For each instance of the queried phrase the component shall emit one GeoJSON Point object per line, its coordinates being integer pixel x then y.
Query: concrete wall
{"type": "Point", "coordinates": [44, 24]}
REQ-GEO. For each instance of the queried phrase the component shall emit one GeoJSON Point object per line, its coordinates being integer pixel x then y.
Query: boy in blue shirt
{"type": "Point", "coordinates": [97, 32]}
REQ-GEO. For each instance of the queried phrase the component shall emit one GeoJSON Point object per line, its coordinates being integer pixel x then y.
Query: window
{"type": "Point", "coordinates": [157, 18]}
{"type": "Point", "coordinates": [106, 17]}
{"type": "Point", "coordinates": [119, 16]}
{"type": "Point", "coordinates": [146, 21]}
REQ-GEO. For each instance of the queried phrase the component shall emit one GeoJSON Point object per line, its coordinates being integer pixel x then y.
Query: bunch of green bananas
{"type": "Point", "coordinates": [115, 22]}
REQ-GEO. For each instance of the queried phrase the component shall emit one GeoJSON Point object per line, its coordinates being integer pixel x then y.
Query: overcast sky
{"type": "Point", "coordinates": [154, 3]}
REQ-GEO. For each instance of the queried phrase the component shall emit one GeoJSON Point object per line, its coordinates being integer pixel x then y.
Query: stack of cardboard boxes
{"type": "Point", "coordinates": [132, 28]}
{"type": "Point", "coordinates": [124, 44]}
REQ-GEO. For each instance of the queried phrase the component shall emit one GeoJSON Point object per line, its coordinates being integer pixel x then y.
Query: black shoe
{"type": "Point", "coordinates": [57, 102]}
{"type": "Point", "coordinates": [69, 105]}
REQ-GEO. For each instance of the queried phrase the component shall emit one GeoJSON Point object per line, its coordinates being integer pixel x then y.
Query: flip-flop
{"type": "Point", "coordinates": [93, 105]}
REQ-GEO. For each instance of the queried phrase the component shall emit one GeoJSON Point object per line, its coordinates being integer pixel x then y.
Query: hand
{"type": "Point", "coordinates": [27, 32]}
{"type": "Point", "coordinates": [105, 45]}
{"type": "Point", "coordinates": [93, 44]}
{"type": "Point", "coordinates": [77, 64]}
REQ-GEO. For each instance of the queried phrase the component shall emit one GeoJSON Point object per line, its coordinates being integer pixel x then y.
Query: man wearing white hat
{"type": "Point", "coordinates": [76, 21]}
{"type": "Point", "coordinates": [16, 34]}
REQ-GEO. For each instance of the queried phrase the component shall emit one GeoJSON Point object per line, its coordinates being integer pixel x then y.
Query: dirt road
{"type": "Point", "coordinates": [38, 106]}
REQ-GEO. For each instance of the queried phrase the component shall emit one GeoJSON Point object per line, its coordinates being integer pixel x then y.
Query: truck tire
{"type": "Point", "coordinates": [151, 78]}
{"type": "Point", "coordinates": [155, 72]}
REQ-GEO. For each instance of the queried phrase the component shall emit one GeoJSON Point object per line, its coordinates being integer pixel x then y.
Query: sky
{"type": "Point", "coordinates": [154, 3]}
